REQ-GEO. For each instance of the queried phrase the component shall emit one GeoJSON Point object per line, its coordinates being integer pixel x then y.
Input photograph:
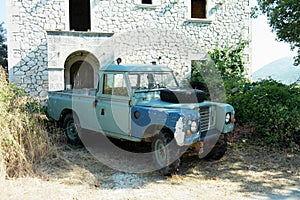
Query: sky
{"type": "Point", "coordinates": [264, 47]}
{"type": "Point", "coordinates": [2, 11]}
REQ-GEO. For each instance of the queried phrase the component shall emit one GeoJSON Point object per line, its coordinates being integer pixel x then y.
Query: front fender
{"type": "Point", "coordinates": [222, 109]}
{"type": "Point", "coordinates": [144, 117]}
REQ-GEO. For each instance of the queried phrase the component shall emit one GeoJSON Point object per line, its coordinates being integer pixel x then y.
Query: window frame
{"type": "Point", "coordinates": [209, 14]}
{"type": "Point", "coordinates": [154, 4]}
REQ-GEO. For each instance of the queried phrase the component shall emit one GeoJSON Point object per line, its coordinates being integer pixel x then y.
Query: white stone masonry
{"type": "Point", "coordinates": [162, 32]}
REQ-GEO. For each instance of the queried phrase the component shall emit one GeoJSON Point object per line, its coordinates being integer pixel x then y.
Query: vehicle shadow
{"type": "Point", "coordinates": [102, 163]}
{"type": "Point", "coordinates": [259, 173]}
{"type": "Point", "coordinates": [114, 164]}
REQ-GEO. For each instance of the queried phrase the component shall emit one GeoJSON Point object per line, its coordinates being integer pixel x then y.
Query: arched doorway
{"type": "Point", "coordinates": [81, 75]}
{"type": "Point", "coordinates": [81, 70]}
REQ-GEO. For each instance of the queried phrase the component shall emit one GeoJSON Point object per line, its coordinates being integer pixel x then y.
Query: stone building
{"type": "Point", "coordinates": [59, 44]}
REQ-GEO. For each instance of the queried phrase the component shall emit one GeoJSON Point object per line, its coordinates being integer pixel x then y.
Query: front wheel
{"type": "Point", "coordinates": [71, 128]}
{"type": "Point", "coordinates": [219, 150]}
{"type": "Point", "coordinates": [296, 137]}
{"type": "Point", "coordinates": [165, 153]}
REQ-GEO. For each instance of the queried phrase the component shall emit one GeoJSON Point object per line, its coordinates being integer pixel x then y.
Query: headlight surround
{"type": "Point", "coordinates": [228, 118]}
{"type": "Point", "coordinates": [194, 126]}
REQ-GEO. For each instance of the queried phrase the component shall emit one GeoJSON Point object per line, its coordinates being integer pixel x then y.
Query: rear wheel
{"type": "Point", "coordinates": [165, 153]}
{"type": "Point", "coordinates": [71, 128]}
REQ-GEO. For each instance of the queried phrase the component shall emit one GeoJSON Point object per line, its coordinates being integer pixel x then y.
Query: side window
{"type": "Point", "coordinates": [115, 84]}
{"type": "Point", "coordinates": [108, 84]}
{"type": "Point", "coordinates": [119, 88]}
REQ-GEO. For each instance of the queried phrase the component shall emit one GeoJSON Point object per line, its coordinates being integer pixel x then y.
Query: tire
{"type": "Point", "coordinates": [182, 96]}
{"type": "Point", "coordinates": [71, 127]}
{"type": "Point", "coordinates": [164, 153]}
{"type": "Point", "coordinates": [296, 137]}
{"type": "Point", "coordinates": [218, 150]}
{"type": "Point", "coordinates": [199, 85]}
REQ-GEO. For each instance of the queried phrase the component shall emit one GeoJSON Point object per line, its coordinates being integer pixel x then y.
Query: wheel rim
{"type": "Point", "coordinates": [160, 153]}
{"type": "Point", "coordinates": [72, 131]}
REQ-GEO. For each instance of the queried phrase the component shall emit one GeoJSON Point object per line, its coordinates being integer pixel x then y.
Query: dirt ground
{"type": "Point", "coordinates": [246, 172]}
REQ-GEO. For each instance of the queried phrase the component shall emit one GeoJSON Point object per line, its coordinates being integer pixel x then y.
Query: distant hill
{"type": "Point", "coordinates": [281, 70]}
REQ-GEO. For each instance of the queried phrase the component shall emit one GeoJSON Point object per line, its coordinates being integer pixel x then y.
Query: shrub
{"type": "Point", "coordinates": [269, 108]}
{"type": "Point", "coordinates": [272, 108]}
{"type": "Point", "coordinates": [23, 136]}
{"type": "Point", "coordinates": [229, 60]}
{"type": "Point", "coordinates": [225, 68]}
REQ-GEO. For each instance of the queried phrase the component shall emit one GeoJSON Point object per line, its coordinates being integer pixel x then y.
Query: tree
{"type": "Point", "coordinates": [3, 46]}
{"type": "Point", "coordinates": [284, 19]}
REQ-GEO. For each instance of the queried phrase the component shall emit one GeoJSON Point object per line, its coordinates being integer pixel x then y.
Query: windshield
{"type": "Point", "coordinates": [152, 80]}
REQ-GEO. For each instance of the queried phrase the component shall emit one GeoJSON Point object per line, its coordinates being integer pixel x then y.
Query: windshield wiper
{"type": "Point", "coordinates": [157, 86]}
{"type": "Point", "coordinates": [146, 90]}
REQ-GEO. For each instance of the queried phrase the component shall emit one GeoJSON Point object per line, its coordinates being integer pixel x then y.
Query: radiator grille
{"type": "Point", "coordinates": [205, 116]}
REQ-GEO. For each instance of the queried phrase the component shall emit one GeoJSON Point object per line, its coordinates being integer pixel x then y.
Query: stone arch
{"type": "Point", "coordinates": [81, 70]}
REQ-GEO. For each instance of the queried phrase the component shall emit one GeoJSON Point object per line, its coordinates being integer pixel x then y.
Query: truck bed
{"type": "Point", "coordinates": [77, 92]}
{"type": "Point", "coordinates": [70, 99]}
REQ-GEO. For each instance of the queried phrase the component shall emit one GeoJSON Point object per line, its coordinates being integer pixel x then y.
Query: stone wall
{"type": "Point", "coordinates": [162, 32]}
{"type": "Point", "coordinates": [27, 22]}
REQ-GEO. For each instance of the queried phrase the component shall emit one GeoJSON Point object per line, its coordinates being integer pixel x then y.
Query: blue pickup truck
{"type": "Point", "coordinates": [146, 103]}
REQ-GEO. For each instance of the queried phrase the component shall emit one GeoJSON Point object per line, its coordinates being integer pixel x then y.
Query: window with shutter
{"type": "Point", "coordinates": [198, 9]}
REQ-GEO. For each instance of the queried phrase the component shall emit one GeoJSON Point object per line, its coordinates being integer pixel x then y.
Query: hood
{"type": "Point", "coordinates": [157, 103]}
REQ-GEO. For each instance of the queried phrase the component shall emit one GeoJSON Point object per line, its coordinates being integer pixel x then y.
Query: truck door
{"type": "Point", "coordinates": [113, 111]}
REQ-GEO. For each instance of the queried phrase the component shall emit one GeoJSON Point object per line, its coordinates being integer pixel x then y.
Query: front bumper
{"type": "Point", "coordinates": [202, 148]}
{"type": "Point", "coordinates": [208, 136]}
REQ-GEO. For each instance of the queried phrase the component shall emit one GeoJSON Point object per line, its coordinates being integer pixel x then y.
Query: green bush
{"type": "Point", "coordinates": [229, 60]}
{"type": "Point", "coordinates": [225, 68]}
{"type": "Point", "coordinates": [271, 107]}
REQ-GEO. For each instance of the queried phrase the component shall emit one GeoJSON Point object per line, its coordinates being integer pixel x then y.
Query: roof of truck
{"type": "Point", "coordinates": [134, 68]}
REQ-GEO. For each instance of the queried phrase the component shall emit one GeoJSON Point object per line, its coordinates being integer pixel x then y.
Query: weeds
{"type": "Point", "coordinates": [24, 139]}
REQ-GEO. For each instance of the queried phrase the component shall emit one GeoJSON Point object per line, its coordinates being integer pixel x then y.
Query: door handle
{"type": "Point", "coordinates": [95, 103]}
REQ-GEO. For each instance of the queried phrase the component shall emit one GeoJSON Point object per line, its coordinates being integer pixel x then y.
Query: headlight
{"type": "Point", "coordinates": [228, 118]}
{"type": "Point", "coordinates": [194, 126]}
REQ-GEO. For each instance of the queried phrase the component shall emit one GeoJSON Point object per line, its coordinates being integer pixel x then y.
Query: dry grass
{"type": "Point", "coordinates": [23, 135]}
{"type": "Point", "coordinates": [248, 172]}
